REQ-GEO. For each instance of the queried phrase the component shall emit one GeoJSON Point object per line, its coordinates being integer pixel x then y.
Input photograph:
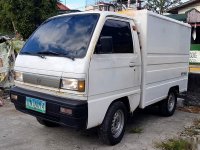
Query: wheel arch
{"type": "Point", "coordinates": [165, 107]}
{"type": "Point", "coordinates": [124, 100]}
{"type": "Point", "coordinates": [174, 89]}
{"type": "Point", "coordinates": [101, 108]}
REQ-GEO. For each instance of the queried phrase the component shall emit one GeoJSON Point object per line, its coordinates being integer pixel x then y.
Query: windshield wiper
{"type": "Point", "coordinates": [48, 53]}
{"type": "Point", "coordinates": [68, 56]}
{"type": "Point", "coordinates": [56, 54]}
{"type": "Point", "coordinates": [26, 53]}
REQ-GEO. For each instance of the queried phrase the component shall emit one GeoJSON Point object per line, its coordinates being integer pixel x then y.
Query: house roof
{"type": "Point", "coordinates": [104, 3]}
{"type": "Point", "coordinates": [183, 5]}
{"type": "Point", "coordinates": [62, 7]}
{"type": "Point", "coordinates": [180, 17]}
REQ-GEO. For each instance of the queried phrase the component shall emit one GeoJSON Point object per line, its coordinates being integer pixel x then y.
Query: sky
{"type": "Point", "coordinates": [80, 4]}
{"type": "Point", "coordinates": [74, 4]}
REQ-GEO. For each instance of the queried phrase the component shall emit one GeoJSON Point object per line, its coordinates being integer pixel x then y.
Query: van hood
{"type": "Point", "coordinates": [49, 65]}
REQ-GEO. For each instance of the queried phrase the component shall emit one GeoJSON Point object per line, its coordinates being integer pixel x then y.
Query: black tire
{"type": "Point", "coordinates": [166, 107]}
{"type": "Point", "coordinates": [47, 123]}
{"type": "Point", "coordinates": [105, 134]}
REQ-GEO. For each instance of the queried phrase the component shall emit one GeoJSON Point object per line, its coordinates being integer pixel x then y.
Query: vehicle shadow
{"type": "Point", "coordinates": [90, 136]}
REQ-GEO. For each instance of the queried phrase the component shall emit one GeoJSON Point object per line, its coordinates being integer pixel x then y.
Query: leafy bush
{"type": "Point", "coordinates": [25, 16]}
{"type": "Point", "coordinates": [174, 144]}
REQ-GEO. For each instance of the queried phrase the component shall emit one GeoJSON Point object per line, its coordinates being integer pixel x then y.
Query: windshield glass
{"type": "Point", "coordinates": [62, 36]}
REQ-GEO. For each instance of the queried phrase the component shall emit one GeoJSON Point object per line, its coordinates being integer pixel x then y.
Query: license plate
{"type": "Point", "coordinates": [36, 104]}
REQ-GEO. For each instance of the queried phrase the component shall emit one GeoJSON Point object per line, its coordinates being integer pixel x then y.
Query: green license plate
{"type": "Point", "coordinates": [36, 104]}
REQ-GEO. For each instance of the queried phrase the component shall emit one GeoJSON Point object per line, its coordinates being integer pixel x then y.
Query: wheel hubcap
{"type": "Point", "coordinates": [117, 123]}
{"type": "Point", "coordinates": [171, 102]}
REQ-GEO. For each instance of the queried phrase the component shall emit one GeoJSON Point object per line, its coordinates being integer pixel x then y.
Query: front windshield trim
{"type": "Point", "coordinates": [63, 55]}
{"type": "Point", "coordinates": [41, 55]}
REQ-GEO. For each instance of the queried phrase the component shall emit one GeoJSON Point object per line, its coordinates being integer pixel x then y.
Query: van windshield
{"type": "Point", "coordinates": [66, 36]}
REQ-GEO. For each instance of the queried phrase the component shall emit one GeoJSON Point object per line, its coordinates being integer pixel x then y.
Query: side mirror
{"type": "Point", "coordinates": [105, 45]}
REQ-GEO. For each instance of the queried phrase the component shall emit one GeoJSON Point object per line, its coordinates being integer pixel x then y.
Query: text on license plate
{"type": "Point", "coordinates": [36, 104]}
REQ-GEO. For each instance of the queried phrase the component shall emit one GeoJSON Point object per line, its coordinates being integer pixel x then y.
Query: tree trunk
{"type": "Point", "coordinates": [14, 27]}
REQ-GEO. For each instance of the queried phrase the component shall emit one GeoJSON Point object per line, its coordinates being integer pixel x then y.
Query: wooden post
{"type": "Point", "coordinates": [129, 3]}
{"type": "Point", "coordinates": [138, 4]}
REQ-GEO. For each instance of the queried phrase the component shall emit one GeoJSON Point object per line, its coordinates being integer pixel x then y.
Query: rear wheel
{"type": "Point", "coordinates": [167, 107]}
{"type": "Point", "coordinates": [47, 123]}
{"type": "Point", "coordinates": [112, 129]}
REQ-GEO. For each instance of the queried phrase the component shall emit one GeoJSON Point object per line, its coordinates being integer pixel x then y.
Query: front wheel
{"type": "Point", "coordinates": [167, 107]}
{"type": "Point", "coordinates": [112, 129]}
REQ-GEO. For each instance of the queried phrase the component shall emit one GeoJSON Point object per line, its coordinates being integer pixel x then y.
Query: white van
{"type": "Point", "coordinates": [93, 69]}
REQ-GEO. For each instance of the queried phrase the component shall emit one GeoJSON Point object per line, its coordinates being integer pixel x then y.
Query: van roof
{"type": "Point", "coordinates": [102, 13]}
{"type": "Point", "coordinates": [109, 13]}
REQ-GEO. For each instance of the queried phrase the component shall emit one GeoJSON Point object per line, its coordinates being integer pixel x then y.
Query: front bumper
{"type": "Point", "coordinates": [79, 108]}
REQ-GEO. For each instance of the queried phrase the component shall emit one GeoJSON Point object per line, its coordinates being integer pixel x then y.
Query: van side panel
{"type": "Point", "coordinates": [165, 51]}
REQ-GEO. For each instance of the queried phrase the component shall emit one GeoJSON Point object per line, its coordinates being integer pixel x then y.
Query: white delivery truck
{"type": "Point", "coordinates": [93, 69]}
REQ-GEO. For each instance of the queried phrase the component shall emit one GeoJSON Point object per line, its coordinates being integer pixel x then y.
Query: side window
{"type": "Point", "coordinates": [120, 32]}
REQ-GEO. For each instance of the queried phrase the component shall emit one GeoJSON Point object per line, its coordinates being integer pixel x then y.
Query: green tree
{"type": "Point", "coordinates": [5, 17]}
{"type": "Point", "coordinates": [160, 6]}
{"type": "Point", "coordinates": [25, 16]}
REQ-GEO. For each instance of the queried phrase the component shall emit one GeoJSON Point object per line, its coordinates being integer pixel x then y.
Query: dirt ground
{"type": "Point", "coordinates": [19, 131]}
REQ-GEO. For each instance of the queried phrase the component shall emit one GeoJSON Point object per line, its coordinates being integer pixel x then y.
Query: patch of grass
{"type": "Point", "coordinates": [174, 144]}
{"type": "Point", "coordinates": [192, 130]}
{"type": "Point", "coordinates": [196, 123]}
{"type": "Point", "coordinates": [190, 109]}
{"type": "Point", "coordinates": [136, 130]}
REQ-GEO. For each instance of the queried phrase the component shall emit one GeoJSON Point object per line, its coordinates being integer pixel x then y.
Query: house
{"type": "Point", "coordinates": [62, 8]}
{"type": "Point", "coordinates": [186, 12]}
{"type": "Point", "coordinates": [184, 7]}
{"type": "Point", "coordinates": [104, 6]}
{"type": "Point", "coordinates": [101, 6]}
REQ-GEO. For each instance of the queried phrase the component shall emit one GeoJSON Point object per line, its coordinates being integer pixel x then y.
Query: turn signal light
{"type": "Point", "coordinates": [81, 86]}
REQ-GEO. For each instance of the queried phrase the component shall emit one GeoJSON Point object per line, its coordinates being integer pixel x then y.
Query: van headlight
{"type": "Point", "coordinates": [73, 84]}
{"type": "Point", "coordinates": [18, 76]}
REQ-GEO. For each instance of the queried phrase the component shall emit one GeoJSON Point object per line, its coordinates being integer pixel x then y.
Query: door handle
{"type": "Point", "coordinates": [131, 64]}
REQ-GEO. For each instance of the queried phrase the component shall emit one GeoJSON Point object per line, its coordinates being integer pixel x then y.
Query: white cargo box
{"type": "Point", "coordinates": [165, 54]}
